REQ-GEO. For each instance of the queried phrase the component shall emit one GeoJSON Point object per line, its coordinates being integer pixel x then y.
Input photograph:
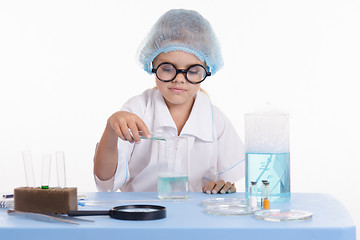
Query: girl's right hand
{"type": "Point", "coordinates": [219, 187]}
{"type": "Point", "coordinates": [122, 123]}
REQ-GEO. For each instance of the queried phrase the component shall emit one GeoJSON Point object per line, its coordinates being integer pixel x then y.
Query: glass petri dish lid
{"type": "Point", "coordinates": [278, 215]}
{"type": "Point", "coordinates": [241, 202]}
{"type": "Point", "coordinates": [229, 210]}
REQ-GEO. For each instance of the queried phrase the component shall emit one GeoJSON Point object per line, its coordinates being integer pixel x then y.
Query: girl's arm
{"type": "Point", "coordinates": [118, 125]}
{"type": "Point", "coordinates": [105, 160]}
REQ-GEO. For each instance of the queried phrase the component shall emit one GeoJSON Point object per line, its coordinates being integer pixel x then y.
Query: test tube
{"type": "Point", "coordinates": [45, 171]}
{"type": "Point", "coordinates": [29, 170]}
{"type": "Point", "coordinates": [60, 166]}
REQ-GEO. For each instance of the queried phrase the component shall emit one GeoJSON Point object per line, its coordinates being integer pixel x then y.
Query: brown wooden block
{"type": "Point", "coordinates": [52, 200]}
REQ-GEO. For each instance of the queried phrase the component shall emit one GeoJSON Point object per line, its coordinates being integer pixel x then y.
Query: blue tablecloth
{"type": "Point", "coordinates": [187, 220]}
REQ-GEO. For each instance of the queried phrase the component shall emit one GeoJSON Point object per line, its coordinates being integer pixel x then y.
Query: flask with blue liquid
{"type": "Point", "coordinates": [267, 153]}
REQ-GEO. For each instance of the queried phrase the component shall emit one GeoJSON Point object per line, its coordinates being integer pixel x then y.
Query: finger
{"type": "Point", "coordinates": [118, 132]}
{"type": "Point", "coordinates": [232, 189]}
{"type": "Point", "coordinates": [219, 185]}
{"type": "Point", "coordinates": [126, 133]}
{"type": "Point", "coordinates": [134, 132]}
{"type": "Point", "coordinates": [143, 128]}
{"type": "Point", "coordinates": [114, 126]}
{"type": "Point", "coordinates": [209, 187]}
{"type": "Point", "coordinates": [225, 188]}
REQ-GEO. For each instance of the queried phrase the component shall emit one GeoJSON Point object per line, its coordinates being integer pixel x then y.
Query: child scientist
{"type": "Point", "coordinates": [181, 50]}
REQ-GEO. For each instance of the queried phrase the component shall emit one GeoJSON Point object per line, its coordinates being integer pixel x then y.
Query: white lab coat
{"type": "Point", "coordinates": [216, 151]}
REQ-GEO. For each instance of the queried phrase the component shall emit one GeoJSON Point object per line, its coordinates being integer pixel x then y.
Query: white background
{"type": "Point", "coordinates": [66, 66]}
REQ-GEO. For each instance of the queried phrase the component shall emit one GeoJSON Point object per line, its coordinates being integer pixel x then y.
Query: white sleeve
{"type": "Point", "coordinates": [104, 186]}
{"type": "Point", "coordinates": [122, 174]}
{"type": "Point", "coordinates": [231, 151]}
{"type": "Point", "coordinates": [137, 104]}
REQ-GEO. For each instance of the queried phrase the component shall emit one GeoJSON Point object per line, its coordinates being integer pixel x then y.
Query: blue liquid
{"type": "Point", "coordinates": [173, 187]}
{"type": "Point", "coordinates": [274, 167]}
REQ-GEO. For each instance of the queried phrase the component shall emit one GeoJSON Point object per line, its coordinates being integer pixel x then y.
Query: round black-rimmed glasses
{"type": "Point", "coordinates": [167, 72]}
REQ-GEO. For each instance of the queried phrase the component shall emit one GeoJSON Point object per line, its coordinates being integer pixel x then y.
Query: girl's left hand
{"type": "Point", "coordinates": [219, 187]}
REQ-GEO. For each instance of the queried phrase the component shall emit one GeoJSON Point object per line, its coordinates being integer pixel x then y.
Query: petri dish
{"type": "Point", "coordinates": [225, 201]}
{"type": "Point", "coordinates": [278, 215]}
{"type": "Point", "coordinates": [229, 210]}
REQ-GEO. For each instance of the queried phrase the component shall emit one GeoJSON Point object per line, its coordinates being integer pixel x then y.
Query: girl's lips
{"type": "Point", "coordinates": [177, 90]}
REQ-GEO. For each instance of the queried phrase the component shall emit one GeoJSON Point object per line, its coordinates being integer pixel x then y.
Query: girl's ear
{"type": "Point", "coordinates": [153, 63]}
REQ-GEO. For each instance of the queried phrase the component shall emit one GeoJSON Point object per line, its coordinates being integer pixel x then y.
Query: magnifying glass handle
{"type": "Point", "coordinates": [87, 213]}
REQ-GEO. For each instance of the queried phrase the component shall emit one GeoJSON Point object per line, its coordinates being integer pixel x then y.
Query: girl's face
{"type": "Point", "coordinates": [179, 91]}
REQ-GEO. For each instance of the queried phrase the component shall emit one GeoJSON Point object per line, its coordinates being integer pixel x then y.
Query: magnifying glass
{"type": "Point", "coordinates": [128, 212]}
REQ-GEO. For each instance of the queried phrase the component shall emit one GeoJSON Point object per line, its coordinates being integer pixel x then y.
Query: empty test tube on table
{"type": "Point", "coordinates": [60, 167]}
{"type": "Point", "coordinates": [28, 167]}
{"type": "Point", "coordinates": [45, 171]}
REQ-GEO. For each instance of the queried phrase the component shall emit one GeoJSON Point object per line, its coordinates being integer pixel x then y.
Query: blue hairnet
{"type": "Point", "coordinates": [182, 30]}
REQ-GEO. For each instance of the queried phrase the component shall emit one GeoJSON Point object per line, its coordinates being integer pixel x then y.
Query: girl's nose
{"type": "Point", "coordinates": [180, 78]}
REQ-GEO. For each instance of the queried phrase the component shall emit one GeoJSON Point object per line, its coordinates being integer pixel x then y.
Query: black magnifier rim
{"type": "Point", "coordinates": [121, 212]}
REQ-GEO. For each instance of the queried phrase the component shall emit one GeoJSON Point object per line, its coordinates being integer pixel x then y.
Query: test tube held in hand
{"type": "Point", "coordinates": [60, 166]}
{"type": "Point", "coordinates": [45, 171]}
{"type": "Point", "coordinates": [28, 167]}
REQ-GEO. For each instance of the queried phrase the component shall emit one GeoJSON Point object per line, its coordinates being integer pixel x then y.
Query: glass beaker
{"type": "Point", "coordinates": [267, 153]}
{"type": "Point", "coordinates": [173, 162]}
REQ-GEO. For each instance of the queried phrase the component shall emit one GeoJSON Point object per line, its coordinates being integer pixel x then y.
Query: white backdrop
{"type": "Point", "coordinates": [66, 66]}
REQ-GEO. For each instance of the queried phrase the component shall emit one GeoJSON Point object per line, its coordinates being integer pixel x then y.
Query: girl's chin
{"type": "Point", "coordinates": [175, 100]}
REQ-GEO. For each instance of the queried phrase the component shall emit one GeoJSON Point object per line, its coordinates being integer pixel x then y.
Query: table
{"type": "Point", "coordinates": [187, 219]}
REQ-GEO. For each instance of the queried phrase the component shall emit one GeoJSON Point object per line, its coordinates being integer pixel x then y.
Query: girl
{"type": "Point", "coordinates": [181, 51]}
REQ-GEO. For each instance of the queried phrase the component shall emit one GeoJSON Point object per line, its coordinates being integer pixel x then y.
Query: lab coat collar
{"type": "Point", "coordinates": [199, 124]}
